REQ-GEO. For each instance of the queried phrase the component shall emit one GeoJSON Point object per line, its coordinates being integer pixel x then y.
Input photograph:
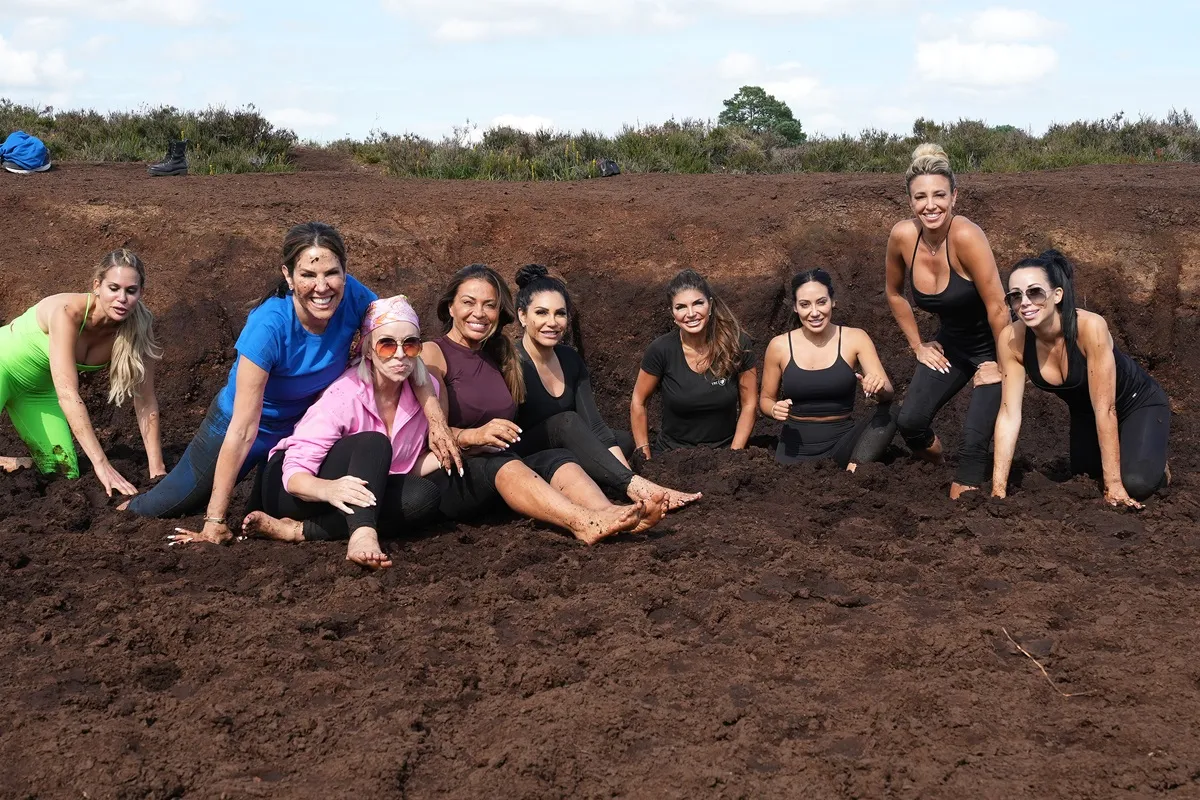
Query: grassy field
{"type": "Point", "coordinates": [243, 140]}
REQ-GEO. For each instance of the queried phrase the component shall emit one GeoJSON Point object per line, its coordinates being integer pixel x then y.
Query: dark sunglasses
{"type": "Point", "coordinates": [1036, 294]}
{"type": "Point", "coordinates": [386, 347]}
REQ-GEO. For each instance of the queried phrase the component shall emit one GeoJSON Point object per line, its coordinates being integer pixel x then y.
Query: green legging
{"type": "Point", "coordinates": [27, 394]}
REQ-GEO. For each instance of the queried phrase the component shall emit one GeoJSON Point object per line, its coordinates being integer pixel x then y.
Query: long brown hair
{"type": "Point", "coordinates": [498, 344]}
{"type": "Point", "coordinates": [135, 342]}
{"type": "Point", "coordinates": [298, 239]}
{"type": "Point", "coordinates": [723, 334]}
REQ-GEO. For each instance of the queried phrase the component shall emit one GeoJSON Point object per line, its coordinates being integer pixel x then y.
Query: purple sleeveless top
{"type": "Point", "coordinates": [475, 387]}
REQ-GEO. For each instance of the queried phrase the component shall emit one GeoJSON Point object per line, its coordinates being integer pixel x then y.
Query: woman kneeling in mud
{"type": "Point", "coordinates": [817, 367]}
{"type": "Point", "coordinates": [1120, 416]}
{"type": "Point", "coordinates": [559, 409]}
{"type": "Point", "coordinates": [352, 468]}
{"type": "Point", "coordinates": [480, 370]}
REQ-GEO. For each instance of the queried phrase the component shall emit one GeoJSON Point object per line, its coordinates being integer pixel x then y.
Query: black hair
{"type": "Point", "coordinates": [498, 345]}
{"type": "Point", "coordinates": [298, 239]}
{"type": "Point", "coordinates": [1061, 274]}
{"type": "Point", "coordinates": [533, 279]}
{"type": "Point", "coordinates": [817, 275]}
{"type": "Point", "coordinates": [723, 333]}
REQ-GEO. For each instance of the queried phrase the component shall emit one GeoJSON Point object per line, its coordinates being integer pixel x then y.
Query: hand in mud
{"type": "Point", "coordinates": [347, 491]}
{"type": "Point", "coordinates": [871, 384]}
{"type": "Point", "coordinates": [1117, 496]}
{"type": "Point", "coordinates": [111, 479]}
{"type": "Point", "coordinates": [780, 410]}
{"type": "Point", "coordinates": [931, 355]}
{"type": "Point", "coordinates": [987, 373]}
{"type": "Point", "coordinates": [441, 444]}
{"type": "Point", "coordinates": [999, 491]}
{"type": "Point", "coordinates": [216, 533]}
{"type": "Point", "coordinates": [498, 433]}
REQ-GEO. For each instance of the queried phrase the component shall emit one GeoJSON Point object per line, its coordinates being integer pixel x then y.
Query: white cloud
{"type": "Point", "coordinates": [150, 12]}
{"type": "Point", "coordinates": [991, 49]}
{"type": "Point", "coordinates": [737, 66]}
{"type": "Point", "coordinates": [789, 81]}
{"type": "Point", "coordinates": [300, 118]}
{"type": "Point", "coordinates": [31, 69]}
{"type": "Point", "coordinates": [40, 31]}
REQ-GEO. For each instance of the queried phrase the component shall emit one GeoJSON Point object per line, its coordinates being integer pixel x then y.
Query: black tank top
{"type": "Point", "coordinates": [1135, 387]}
{"type": "Point", "coordinates": [963, 316]}
{"type": "Point", "coordinates": [819, 392]}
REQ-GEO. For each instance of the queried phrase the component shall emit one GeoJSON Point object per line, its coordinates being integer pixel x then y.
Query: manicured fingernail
{"type": "Point", "coordinates": [460, 472]}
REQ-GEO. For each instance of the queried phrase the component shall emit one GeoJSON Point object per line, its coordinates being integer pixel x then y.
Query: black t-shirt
{"type": "Point", "coordinates": [540, 405]}
{"type": "Point", "coordinates": [697, 410]}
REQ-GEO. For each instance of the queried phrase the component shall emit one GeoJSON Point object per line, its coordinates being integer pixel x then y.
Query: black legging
{"type": "Point", "coordinates": [569, 431]}
{"type": "Point", "coordinates": [402, 502]}
{"type": "Point", "coordinates": [465, 497]}
{"type": "Point", "coordinates": [1143, 435]}
{"type": "Point", "coordinates": [844, 441]}
{"type": "Point", "coordinates": [928, 392]}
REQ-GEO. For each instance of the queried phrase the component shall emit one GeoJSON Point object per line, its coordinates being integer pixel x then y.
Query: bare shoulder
{"type": "Point", "coordinates": [1093, 329]}
{"type": "Point", "coordinates": [964, 231]}
{"type": "Point", "coordinates": [1012, 341]}
{"type": "Point", "coordinates": [857, 338]}
{"type": "Point", "coordinates": [70, 304]}
{"type": "Point", "coordinates": [904, 232]}
{"type": "Point", "coordinates": [431, 354]}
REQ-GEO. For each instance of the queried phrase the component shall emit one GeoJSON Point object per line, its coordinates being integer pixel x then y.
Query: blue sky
{"type": "Point", "coordinates": [329, 70]}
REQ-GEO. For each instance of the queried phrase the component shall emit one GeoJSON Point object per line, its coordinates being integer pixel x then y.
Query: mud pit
{"type": "Point", "coordinates": [801, 632]}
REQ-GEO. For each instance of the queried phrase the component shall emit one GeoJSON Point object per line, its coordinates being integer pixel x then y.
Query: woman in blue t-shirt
{"type": "Point", "coordinates": [295, 343]}
{"type": "Point", "coordinates": [706, 373]}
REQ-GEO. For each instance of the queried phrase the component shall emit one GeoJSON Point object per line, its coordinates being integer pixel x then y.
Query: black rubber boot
{"type": "Point", "coordinates": [176, 161]}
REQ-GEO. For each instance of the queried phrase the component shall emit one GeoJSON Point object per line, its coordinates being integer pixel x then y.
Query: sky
{"type": "Point", "coordinates": [331, 70]}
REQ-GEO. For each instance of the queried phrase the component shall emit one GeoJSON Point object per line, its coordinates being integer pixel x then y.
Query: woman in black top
{"type": "Point", "coordinates": [962, 287]}
{"type": "Point", "coordinates": [559, 409]}
{"type": "Point", "coordinates": [1120, 416]}
{"type": "Point", "coordinates": [705, 370]}
{"type": "Point", "coordinates": [817, 367]}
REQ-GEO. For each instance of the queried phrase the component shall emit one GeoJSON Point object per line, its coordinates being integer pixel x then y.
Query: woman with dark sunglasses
{"type": "Point", "coordinates": [1120, 416]}
{"type": "Point", "coordinates": [353, 466]}
{"type": "Point", "coordinates": [559, 409]}
{"type": "Point", "coordinates": [953, 275]}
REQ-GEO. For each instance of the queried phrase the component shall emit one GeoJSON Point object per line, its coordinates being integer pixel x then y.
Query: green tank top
{"type": "Point", "coordinates": [25, 350]}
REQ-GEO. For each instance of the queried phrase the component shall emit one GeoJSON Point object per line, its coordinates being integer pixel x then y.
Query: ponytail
{"type": "Point", "coordinates": [533, 279]}
{"type": "Point", "coordinates": [1061, 274]}
{"type": "Point", "coordinates": [723, 334]}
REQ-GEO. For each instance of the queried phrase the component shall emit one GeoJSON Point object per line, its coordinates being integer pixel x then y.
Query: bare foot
{"type": "Point", "coordinates": [851, 467]}
{"type": "Point", "coordinates": [365, 551]}
{"type": "Point", "coordinates": [932, 454]}
{"type": "Point", "coordinates": [263, 525]}
{"type": "Point", "coordinates": [12, 464]}
{"type": "Point", "coordinates": [656, 508]}
{"type": "Point", "coordinates": [642, 489]}
{"type": "Point", "coordinates": [957, 490]}
{"type": "Point", "coordinates": [602, 523]}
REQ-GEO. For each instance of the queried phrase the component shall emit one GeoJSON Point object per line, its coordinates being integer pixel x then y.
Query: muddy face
{"type": "Point", "coordinates": [1031, 297]}
{"type": "Point", "coordinates": [691, 308]}
{"type": "Point", "coordinates": [117, 292]}
{"type": "Point", "coordinates": [931, 200]}
{"type": "Point", "coordinates": [317, 283]}
{"type": "Point", "coordinates": [814, 306]}
{"type": "Point", "coordinates": [546, 319]}
{"type": "Point", "coordinates": [385, 351]}
{"type": "Point", "coordinates": [475, 311]}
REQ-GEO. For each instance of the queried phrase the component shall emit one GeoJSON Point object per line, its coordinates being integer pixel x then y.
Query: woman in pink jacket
{"type": "Point", "coordinates": [354, 464]}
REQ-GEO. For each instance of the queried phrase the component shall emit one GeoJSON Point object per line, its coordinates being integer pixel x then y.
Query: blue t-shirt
{"type": "Point", "coordinates": [300, 365]}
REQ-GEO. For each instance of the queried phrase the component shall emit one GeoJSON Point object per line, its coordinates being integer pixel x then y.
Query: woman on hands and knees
{"type": "Point", "coordinates": [1120, 415]}
{"type": "Point", "coordinates": [559, 409]}
{"type": "Point", "coordinates": [353, 466]}
{"type": "Point", "coordinates": [706, 373]}
{"type": "Point", "coordinates": [43, 351]}
{"type": "Point", "coordinates": [480, 370]}
{"type": "Point", "coordinates": [953, 275]}
{"type": "Point", "coordinates": [817, 368]}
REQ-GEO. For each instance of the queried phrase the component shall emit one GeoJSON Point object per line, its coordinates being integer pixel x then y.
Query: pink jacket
{"type": "Point", "coordinates": [348, 407]}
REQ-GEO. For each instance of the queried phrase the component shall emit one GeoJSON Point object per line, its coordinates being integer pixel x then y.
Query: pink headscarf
{"type": "Point", "coordinates": [384, 311]}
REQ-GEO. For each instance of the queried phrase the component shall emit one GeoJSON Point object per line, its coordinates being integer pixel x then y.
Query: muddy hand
{"type": "Point", "coordinates": [213, 532]}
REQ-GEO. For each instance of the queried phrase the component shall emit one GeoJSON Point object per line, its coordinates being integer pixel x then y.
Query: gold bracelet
{"type": "Point", "coordinates": [215, 520]}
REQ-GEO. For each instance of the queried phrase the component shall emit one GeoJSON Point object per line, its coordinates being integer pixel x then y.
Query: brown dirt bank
{"type": "Point", "coordinates": [800, 632]}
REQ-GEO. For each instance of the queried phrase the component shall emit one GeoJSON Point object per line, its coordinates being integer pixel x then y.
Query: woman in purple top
{"type": "Point", "coordinates": [480, 368]}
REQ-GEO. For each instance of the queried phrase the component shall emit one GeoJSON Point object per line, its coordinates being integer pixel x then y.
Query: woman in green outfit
{"type": "Point", "coordinates": [43, 350]}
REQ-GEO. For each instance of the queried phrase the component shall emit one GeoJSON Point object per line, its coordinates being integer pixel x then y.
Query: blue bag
{"type": "Point", "coordinates": [22, 153]}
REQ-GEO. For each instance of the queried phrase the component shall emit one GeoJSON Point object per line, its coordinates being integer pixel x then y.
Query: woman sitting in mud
{"type": "Point", "coordinates": [1120, 416]}
{"type": "Point", "coordinates": [817, 368]}
{"type": "Point", "coordinates": [559, 409]}
{"type": "Point", "coordinates": [292, 347]}
{"type": "Point", "coordinates": [953, 275]}
{"type": "Point", "coordinates": [706, 373]}
{"type": "Point", "coordinates": [43, 351]}
{"type": "Point", "coordinates": [480, 370]}
{"type": "Point", "coordinates": [353, 466]}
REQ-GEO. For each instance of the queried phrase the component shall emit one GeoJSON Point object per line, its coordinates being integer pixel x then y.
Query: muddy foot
{"type": "Point", "coordinates": [600, 524]}
{"type": "Point", "coordinates": [12, 464]}
{"type": "Point", "coordinates": [365, 551]}
{"type": "Point", "coordinates": [656, 508]}
{"type": "Point", "coordinates": [642, 489]}
{"type": "Point", "coordinates": [932, 454]}
{"type": "Point", "coordinates": [262, 525]}
{"type": "Point", "coordinates": [957, 490]}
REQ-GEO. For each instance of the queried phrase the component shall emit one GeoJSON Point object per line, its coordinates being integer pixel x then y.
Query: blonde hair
{"type": "Point", "coordinates": [135, 342]}
{"type": "Point", "coordinates": [419, 376]}
{"type": "Point", "coordinates": [929, 159]}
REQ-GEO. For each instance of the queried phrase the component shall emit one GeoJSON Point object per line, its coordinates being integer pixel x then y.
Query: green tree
{"type": "Point", "coordinates": [753, 108]}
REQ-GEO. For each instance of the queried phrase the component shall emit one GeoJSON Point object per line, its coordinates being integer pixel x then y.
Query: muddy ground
{"type": "Point", "coordinates": [801, 632]}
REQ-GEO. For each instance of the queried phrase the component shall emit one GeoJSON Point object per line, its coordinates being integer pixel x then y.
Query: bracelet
{"type": "Point", "coordinates": [215, 520]}
{"type": "Point", "coordinates": [641, 446]}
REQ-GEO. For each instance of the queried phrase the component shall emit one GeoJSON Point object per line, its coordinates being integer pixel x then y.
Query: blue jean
{"type": "Point", "coordinates": [186, 488]}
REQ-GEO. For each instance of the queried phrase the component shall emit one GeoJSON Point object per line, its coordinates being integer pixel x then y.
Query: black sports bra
{"type": "Point", "coordinates": [819, 392]}
{"type": "Point", "coordinates": [963, 315]}
{"type": "Point", "coordinates": [1135, 387]}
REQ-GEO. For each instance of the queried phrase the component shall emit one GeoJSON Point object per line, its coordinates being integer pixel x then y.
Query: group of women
{"type": "Point", "coordinates": [416, 428]}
